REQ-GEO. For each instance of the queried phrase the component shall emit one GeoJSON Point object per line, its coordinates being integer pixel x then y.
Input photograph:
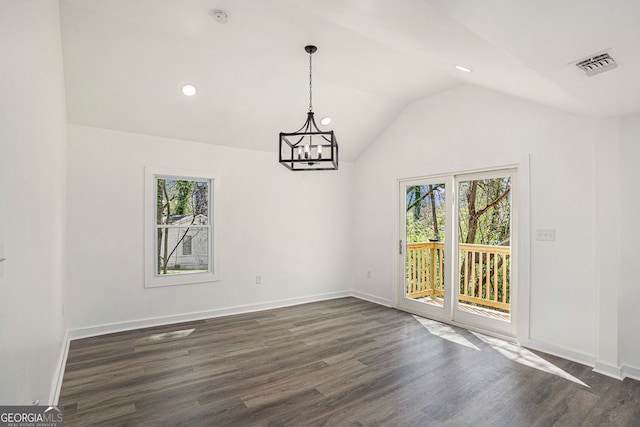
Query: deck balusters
{"type": "Point", "coordinates": [483, 273]}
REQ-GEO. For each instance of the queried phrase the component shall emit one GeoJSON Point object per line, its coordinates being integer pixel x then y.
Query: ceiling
{"type": "Point", "coordinates": [126, 60]}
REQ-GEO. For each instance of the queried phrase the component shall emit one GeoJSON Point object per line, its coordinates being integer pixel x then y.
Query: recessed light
{"type": "Point", "coordinates": [325, 120]}
{"type": "Point", "coordinates": [461, 68]}
{"type": "Point", "coordinates": [189, 90]}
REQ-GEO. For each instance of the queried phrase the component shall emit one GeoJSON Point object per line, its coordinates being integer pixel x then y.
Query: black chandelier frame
{"type": "Point", "coordinates": [298, 151]}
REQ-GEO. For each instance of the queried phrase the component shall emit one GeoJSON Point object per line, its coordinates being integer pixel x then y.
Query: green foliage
{"type": "Point", "coordinates": [423, 201]}
{"type": "Point", "coordinates": [183, 190]}
{"type": "Point", "coordinates": [484, 209]}
{"type": "Point", "coordinates": [484, 217]}
{"type": "Point", "coordinates": [181, 197]}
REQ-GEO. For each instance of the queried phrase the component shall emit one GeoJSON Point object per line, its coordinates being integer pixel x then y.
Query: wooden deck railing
{"type": "Point", "coordinates": [425, 272]}
{"type": "Point", "coordinates": [483, 275]}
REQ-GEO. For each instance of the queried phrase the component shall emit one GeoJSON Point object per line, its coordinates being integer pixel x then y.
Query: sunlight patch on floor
{"type": "Point", "coordinates": [526, 357]}
{"type": "Point", "coordinates": [168, 335]}
{"type": "Point", "coordinates": [445, 332]}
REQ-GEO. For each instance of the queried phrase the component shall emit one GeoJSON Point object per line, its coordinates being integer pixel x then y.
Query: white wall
{"type": "Point", "coordinates": [629, 293]}
{"type": "Point", "coordinates": [468, 125]}
{"type": "Point", "coordinates": [32, 200]}
{"type": "Point", "coordinates": [608, 247]}
{"type": "Point", "coordinates": [294, 229]}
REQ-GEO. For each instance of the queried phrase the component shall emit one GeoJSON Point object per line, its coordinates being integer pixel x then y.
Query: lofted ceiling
{"type": "Point", "coordinates": [126, 60]}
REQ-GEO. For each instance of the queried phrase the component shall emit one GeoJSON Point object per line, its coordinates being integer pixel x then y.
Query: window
{"type": "Point", "coordinates": [187, 245]}
{"type": "Point", "coordinates": [179, 232]}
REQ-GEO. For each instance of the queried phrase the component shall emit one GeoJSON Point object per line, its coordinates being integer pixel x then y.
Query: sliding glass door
{"type": "Point", "coordinates": [455, 249]}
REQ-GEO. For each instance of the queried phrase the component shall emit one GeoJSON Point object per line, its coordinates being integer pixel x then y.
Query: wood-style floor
{"type": "Point", "coordinates": [334, 363]}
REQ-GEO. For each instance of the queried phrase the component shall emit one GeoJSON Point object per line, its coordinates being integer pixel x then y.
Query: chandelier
{"type": "Point", "coordinates": [309, 148]}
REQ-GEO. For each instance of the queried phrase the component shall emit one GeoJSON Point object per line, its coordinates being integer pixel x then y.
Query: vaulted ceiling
{"type": "Point", "coordinates": [126, 60]}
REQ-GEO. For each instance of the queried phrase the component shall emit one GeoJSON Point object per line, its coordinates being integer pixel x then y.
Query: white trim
{"type": "Point", "coordinates": [151, 279]}
{"type": "Point", "coordinates": [109, 328]}
{"type": "Point", "coordinates": [56, 384]}
{"type": "Point", "coordinates": [481, 165]}
{"type": "Point", "coordinates": [522, 293]}
{"type": "Point", "coordinates": [608, 370]}
{"type": "Point", "coordinates": [372, 298]}
{"type": "Point", "coordinates": [559, 351]}
{"type": "Point", "coordinates": [630, 372]}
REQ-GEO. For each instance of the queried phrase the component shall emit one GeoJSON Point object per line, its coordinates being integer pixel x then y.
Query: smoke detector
{"type": "Point", "coordinates": [597, 63]}
{"type": "Point", "coordinates": [220, 16]}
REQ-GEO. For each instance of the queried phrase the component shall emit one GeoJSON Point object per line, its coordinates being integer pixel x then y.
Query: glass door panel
{"type": "Point", "coordinates": [484, 217]}
{"type": "Point", "coordinates": [423, 232]}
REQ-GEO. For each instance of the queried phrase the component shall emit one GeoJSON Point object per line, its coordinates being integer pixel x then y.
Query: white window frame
{"type": "Point", "coordinates": [151, 278]}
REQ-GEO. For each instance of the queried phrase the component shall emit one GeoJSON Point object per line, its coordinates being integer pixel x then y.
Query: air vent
{"type": "Point", "coordinates": [596, 64]}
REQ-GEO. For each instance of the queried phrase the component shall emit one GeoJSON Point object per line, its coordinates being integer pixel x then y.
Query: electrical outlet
{"type": "Point", "coordinates": [546, 235]}
{"type": "Point", "coordinates": [368, 274]}
{"type": "Point", "coordinates": [258, 280]}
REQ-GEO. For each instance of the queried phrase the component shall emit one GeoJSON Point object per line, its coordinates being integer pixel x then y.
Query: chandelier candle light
{"type": "Point", "coordinates": [309, 148]}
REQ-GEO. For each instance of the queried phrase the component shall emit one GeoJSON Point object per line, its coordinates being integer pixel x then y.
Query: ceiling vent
{"type": "Point", "coordinates": [597, 63]}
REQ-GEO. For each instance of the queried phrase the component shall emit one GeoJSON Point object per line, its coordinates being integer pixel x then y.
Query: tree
{"type": "Point", "coordinates": [492, 195]}
{"type": "Point", "coordinates": [425, 212]}
{"type": "Point", "coordinates": [484, 215]}
{"type": "Point", "coordinates": [484, 218]}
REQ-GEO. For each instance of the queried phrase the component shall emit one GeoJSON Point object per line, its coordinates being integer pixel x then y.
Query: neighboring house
{"type": "Point", "coordinates": [190, 243]}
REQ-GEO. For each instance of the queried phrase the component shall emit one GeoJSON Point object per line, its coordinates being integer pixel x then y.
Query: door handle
{"type": "Point", "coordinates": [2, 259]}
{"type": "Point", "coordinates": [400, 247]}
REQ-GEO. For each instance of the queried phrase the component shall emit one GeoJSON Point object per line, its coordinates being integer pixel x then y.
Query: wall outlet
{"type": "Point", "coordinates": [546, 235]}
{"type": "Point", "coordinates": [368, 274]}
{"type": "Point", "coordinates": [258, 280]}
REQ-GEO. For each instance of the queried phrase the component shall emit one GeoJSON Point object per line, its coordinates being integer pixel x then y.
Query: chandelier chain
{"type": "Point", "coordinates": [310, 91]}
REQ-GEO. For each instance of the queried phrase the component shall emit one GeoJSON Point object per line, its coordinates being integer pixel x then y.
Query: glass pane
{"type": "Point", "coordinates": [183, 250]}
{"type": "Point", "coordinates": [484, 213]}
{"type": "Point", "coordinates": [182, 202]}
{"type": "Point", "coordinates": [425, 205]}
{"type": "Point", "coordinates": [187, 245]}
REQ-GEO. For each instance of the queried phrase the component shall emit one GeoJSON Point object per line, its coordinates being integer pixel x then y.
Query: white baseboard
{"type": "Point", "coordinates": [92, 331]}
{"type": "Point", "coordinates": [608, 370]}
{"type": "Point", "coordinates": [630, 372]}
{"type": "Point", "coordinates": [617, 372]}
{"type": "Point", "coordinates": [565, 353]}
{"type": "Point", "coordinates": [59, 375]}
{"type": "Point", "coordinates": [371, 298]}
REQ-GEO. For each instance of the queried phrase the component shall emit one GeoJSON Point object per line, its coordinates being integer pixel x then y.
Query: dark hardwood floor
{"type": "Point", "coordinates": [335, 363]}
